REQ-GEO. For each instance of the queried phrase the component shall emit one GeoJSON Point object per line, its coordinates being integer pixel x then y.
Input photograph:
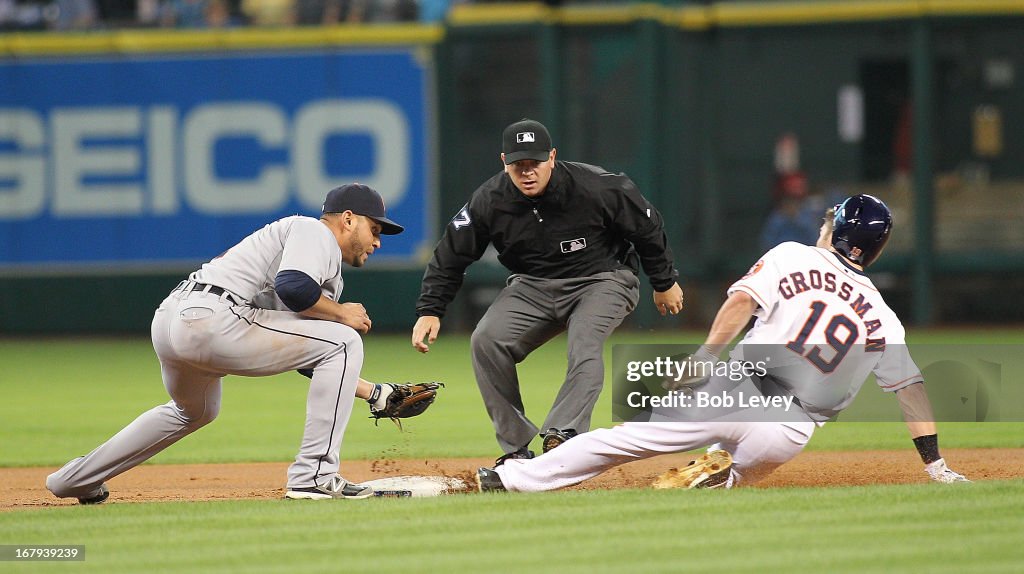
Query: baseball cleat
{"type": "Point", "coordinates": [522, 453]}
{"type": "Point", "coordinates": [555, 437]}
{"type": "Point", "coordinates": [710, 470]}
{"type": "Point", "coordinates": [338, 487]}
{"type": "Point", "coordinates": [97, 496]}
{"type": "Point", "coordinates": [487, 480]}
{"type": "Point", "coordinates": [939, 472]}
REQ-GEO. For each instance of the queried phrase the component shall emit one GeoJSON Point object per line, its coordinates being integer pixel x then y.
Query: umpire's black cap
{"type": "Point", "coordinates": [361, 200]}
{"type": "Point", "coordinates": [526, 139]}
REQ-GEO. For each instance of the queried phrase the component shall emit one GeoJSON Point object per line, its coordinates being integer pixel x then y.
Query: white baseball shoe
{"type": "Point", "coordinates": [338, 487]}
{"type": "Point", "coordinates": [939, 472]}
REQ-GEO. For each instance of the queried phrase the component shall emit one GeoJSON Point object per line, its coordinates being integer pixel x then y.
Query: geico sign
{"type": "Point", "coordinates": [81, 145]}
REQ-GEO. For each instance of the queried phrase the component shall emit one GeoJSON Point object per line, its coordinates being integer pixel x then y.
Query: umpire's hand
{"type": "Point", "coordinates": [425, 327]}
{"type": "Point", "coordinates": [670, 301]}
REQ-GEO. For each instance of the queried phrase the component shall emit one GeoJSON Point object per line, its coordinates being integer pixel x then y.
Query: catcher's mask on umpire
{"type": "Point", "coordinates": [861, 228]}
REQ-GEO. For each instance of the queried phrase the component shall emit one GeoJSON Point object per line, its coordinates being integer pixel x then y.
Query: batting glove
{"type": "Point", "coordinates": [697, 370]}
{"type": "Point", "coordinates": [939, 472]}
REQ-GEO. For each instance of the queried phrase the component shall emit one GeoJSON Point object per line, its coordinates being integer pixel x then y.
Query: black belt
{"type": "Point", "coordinates": [212, 289]}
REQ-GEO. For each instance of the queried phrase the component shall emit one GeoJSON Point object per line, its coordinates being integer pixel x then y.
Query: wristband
{"type": "Point", "coordinates": [928, 447]}
{"type": "Point", "coordinates": [374, 394]}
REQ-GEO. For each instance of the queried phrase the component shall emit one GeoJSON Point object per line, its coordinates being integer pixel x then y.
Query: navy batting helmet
{"type": "Point", "coordinates": [861, 228]}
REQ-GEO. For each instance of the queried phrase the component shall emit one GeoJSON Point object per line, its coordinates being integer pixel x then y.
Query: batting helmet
{"type": "Point", "coordinates": [861, 228]}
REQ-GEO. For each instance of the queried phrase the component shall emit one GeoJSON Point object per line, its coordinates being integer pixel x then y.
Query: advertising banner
{"type": "Point", "coordinates": [151, 160]}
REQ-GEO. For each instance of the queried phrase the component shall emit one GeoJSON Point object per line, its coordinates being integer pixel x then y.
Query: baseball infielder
{"type": "Point", "coordinates": [819, 305]}
{"type": "Point", "coordinates": [266, 306]}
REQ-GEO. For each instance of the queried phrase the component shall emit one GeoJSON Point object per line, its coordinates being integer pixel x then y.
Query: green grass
{"type": "Point", "coordinates": [62, 397]}
{"type": "Point", "coordinates": [920, 528]}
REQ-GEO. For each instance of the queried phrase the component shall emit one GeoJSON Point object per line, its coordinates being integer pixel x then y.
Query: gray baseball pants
{"type": "Point", "coordinates": [199, 338]}
{"type": "Point", "coordinates": [529, 312]}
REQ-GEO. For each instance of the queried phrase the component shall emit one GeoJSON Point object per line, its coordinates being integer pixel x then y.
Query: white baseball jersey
{"type": "Point", "coordinates": [825, 327]}
{"type": "Point", "coordinates": [293, 243]}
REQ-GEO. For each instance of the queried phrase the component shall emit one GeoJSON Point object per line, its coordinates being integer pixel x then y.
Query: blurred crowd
{"type": "Point", "coordinates": [17, 15]}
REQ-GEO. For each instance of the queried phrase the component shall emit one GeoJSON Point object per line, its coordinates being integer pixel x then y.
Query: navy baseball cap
{"type": "Point", "coordinates": [361, 200]}
{"type": "Point", "coordinates": [526, 139]}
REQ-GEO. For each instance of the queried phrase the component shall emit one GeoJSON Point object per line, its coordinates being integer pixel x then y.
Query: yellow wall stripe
{"type": "Point", "coordinates": [144, 41]}
{"type": "Point", "coordinates": [974, 7]}
{"type": "Point", "coordinates": [727, 14]}
{"type": "Point", "coordinates": [499, 13]}
{"type": "Point", "coordinates": [723, 14]}
{"type": "Point", "coordinates": [743, 14]}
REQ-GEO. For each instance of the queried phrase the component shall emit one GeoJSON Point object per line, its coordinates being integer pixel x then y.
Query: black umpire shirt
{"type": "Point", "coordinates": [587, 221]}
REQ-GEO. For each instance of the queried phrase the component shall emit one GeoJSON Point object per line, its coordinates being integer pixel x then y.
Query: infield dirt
{"type": "Point", "coordinates": [22, 488]}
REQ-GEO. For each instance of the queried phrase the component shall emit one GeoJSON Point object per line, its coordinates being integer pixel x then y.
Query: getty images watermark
{"type": "Point", "coordinates": [823, 383]}
{"type": "Point", "coordinates": [683, 368]}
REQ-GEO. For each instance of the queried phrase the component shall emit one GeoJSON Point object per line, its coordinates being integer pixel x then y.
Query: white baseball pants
{"type": "Point", "coordinates": [757, 448]}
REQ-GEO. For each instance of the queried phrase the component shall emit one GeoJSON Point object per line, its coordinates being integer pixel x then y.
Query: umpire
{"type": "Point", "coordinates": [574, 237]}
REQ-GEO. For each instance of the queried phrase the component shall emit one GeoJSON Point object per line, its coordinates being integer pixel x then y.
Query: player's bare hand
{"type": "Point", "coordinates": [354, 315]}
{"type": "Point", "coordinates": [669, 301]}
{"type": "Point", "coordinates": [426, 327]}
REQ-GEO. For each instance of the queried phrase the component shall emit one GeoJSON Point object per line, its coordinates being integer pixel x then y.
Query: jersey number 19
{"type": "Point", "coordinates": [841, 346]}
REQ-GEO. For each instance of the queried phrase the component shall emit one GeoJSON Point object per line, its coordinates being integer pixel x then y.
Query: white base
{"type": "Point", "coordinates": [417, 486]}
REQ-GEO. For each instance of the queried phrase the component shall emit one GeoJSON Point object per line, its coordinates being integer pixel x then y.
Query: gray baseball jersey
{"type": "Point", "coordinates": [294, 243]}
{"type": "Point", "coordinates": [227, 319]}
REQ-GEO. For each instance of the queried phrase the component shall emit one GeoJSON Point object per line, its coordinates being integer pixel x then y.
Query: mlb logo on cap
{"type": "Point", "coordinates": [526, 139]}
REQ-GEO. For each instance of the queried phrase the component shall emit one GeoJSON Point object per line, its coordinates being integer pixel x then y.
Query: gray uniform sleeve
{"type": "Point", "coordinates": [311, 248]}
{"type": "Point", "coordinates": [896, 369]}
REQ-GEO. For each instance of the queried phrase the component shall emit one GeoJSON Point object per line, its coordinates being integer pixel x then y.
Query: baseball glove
{"type": "Point", "coordinates": [406, 400]}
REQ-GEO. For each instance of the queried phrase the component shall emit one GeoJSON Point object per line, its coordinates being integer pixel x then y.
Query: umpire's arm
{"type": "Point", "coordinates": [641, 224]}
{"type": "Point", "coordinates": [465, 240]}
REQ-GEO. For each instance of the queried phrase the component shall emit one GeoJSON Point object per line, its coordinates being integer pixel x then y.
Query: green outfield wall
{"type": "Point", "coordinates": [918, 102]}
